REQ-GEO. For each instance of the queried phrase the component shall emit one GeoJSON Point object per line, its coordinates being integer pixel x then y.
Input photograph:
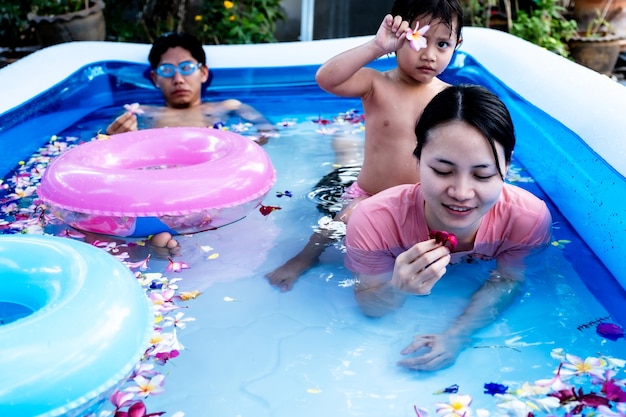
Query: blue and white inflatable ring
{"type": "Point", "coordinates": [85, 323]}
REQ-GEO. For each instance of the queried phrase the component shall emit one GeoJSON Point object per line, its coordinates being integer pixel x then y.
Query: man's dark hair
{"type": "Point", "coordinates": [172, 40]}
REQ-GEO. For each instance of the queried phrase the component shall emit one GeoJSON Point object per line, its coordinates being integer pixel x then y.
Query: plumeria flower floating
{"type": "Point", "coordinates": [133, 108]}
{"type": "Point", "coordinates": [286, 123]}
{"type": "Point", "coordinates": [285, 193]}
{"type": "Point", "coordinates": [329, 131]}
{"type": "Point", "coordinates": [142, 265]}
{"type": "Point", "coordinates": [176, 266]}
{"type": "Point", "coordinates": [579, 387]}
{"type": "Point", "coordinates": [241, 127]}
{"type": "Point", "coordinates": [452, 389]}
{"type": "Point", "coordinates": [458, 406]}
{"type": "Point", "coordinates": [416, 37]}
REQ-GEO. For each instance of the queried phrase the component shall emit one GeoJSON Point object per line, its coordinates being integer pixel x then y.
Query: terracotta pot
{"type": "Point", "coordinates": [84, 25]}
{"type": "Point", "coordinates": [597, 53]}
{"type": "Point", "coordinates": [587, 10]}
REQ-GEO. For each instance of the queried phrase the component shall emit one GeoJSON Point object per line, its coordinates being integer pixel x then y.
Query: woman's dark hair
{"type": "Point", "coordinates": [445, 10]}
{"type": "Point", "coordinates": [476, 106]}
{"type": "Point", "coordinates": [172, 40]}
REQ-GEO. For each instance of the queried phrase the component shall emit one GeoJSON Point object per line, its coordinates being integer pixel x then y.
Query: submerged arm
{"type": "Point", "coordinates": [255, 117]}
{"type": "Point", "coordinates": [375, 294]}
{"type": "Point", "coordinates": [252, 115]}
{"type": "Point", "coordinates": [485, 305]}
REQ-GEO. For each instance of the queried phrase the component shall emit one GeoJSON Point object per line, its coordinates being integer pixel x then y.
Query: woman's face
{"type": "Point", "coordinates": [460, 178]}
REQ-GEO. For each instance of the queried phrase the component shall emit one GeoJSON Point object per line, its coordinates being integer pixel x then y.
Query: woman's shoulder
{"type": "Point", "coordinates": [519, 199]}
{"type": "Point", "coordinates": [390, 205]}
{"type": "Point", "coordinates": [388, 219]}
{"type": "Point", "coordinates": [393, 197]}
{"type": "Point", "coordinates": [522, 214]}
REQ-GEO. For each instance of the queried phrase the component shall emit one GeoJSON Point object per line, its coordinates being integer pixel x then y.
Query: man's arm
{"type": "Point", "coordinates": [125, 123]}
{"type": "Point", "coordinates": [251, 115]}
{"type": "Point", "coordinates": [255, 117]}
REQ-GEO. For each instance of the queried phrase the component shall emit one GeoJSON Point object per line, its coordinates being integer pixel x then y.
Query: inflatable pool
{"type": "Point", "coordinates": [83, 325]}
{"type": "Point", "coordinates": [558, 87]}
{"type": "Point", "coordinates": [178, 180]}
{"type": "Point", "coordinates": [309, 352]}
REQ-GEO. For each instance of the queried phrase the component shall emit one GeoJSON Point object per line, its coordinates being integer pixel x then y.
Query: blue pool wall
{"type": "Point", "coordinates": [582, 173]}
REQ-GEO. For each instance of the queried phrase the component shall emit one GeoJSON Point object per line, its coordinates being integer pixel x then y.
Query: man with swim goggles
{"type": "Point", "coordinates": [184, 68]}
{"type": "Point", "coordinates": [179, 71]}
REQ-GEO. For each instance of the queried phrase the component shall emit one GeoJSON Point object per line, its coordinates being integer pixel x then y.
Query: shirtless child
{"type": "Point", "coordinates": [392, 103]}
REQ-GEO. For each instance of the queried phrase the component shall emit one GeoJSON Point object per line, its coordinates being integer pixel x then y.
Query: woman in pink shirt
{"type": "Point", "coordinates": [465, 139]}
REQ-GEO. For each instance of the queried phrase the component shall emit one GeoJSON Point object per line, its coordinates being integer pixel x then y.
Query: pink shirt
{"type": "Point", "coordinates": [390, 222]}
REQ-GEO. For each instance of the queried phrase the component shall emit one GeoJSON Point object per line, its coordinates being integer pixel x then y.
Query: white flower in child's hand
{"type": "Point", "coordinates": [416, 37]}
{"type": "Point", "coordinates": [133, 108]}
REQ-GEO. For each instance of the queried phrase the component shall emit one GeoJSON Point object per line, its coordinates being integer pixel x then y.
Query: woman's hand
{"type": "Point", "coordinates": [443, 351]}
{"type": "Point", "coordinates": [484, 307]}
{"type": "Point", "coordinates": [418, 269]}
{"type": "Point", "coordinates": [391, 33]}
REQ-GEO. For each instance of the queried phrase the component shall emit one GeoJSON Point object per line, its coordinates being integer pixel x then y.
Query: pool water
{"type": "Point", "coordinates": [253, 351]}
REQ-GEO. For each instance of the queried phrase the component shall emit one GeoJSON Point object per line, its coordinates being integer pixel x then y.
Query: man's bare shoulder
{"type": "Point", "coordinates": [151, 110]}
{"type": "Point", "coordinates": [221, 106]}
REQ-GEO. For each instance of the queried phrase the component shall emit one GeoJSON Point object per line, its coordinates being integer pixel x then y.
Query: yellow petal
{"type": "Point", "coordinates": [189, 295]}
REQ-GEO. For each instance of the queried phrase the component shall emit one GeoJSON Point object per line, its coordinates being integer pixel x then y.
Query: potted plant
{"type": "Point", "coordinates": [584, 11]}
{"type": "Point", "coordinates": [597, 46]}
{"type": "Point", "coordinates": [57, 21]}
{"type": "Point", "coordinates": [545, 26]}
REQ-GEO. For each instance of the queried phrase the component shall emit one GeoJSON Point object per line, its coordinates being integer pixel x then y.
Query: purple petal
{"type": "Point", "coordinates": [609, 331]}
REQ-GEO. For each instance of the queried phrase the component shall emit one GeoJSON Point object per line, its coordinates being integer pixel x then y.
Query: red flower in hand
{"type": "Point", "coordinates": [444, 238]}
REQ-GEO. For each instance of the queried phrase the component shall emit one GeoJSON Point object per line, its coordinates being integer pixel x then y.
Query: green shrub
{"type": "Point", "coordinates": [57, 7]}
{"type": "Point", "coordinates": [546, 26]}
{"type": "Point", "coordinates": [234, 22]}
{"type": "Point", "coordinates": [215, 22]}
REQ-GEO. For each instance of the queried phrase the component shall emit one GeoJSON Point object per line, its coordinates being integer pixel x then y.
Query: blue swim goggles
{"type": "Point", "coordinates": [184, 68]}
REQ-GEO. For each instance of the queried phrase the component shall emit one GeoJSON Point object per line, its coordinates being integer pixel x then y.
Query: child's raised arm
{"type": "Point", "coordinates": [345, 75]}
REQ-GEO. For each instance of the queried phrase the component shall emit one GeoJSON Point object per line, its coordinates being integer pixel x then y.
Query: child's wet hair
{"type": "Point", "coordinates": [450, 12]}
{"type": "Point", "coordinates": [173, 40]}
{"type": "Point", "coordinates": [476, 106]}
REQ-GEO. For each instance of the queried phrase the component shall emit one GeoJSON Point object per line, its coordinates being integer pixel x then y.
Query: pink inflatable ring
{"type": "Point", "coordinates": [179, 180]}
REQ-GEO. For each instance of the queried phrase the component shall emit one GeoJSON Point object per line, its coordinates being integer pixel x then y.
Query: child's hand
{"type": "Point", "coordinates": [391, 33]}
